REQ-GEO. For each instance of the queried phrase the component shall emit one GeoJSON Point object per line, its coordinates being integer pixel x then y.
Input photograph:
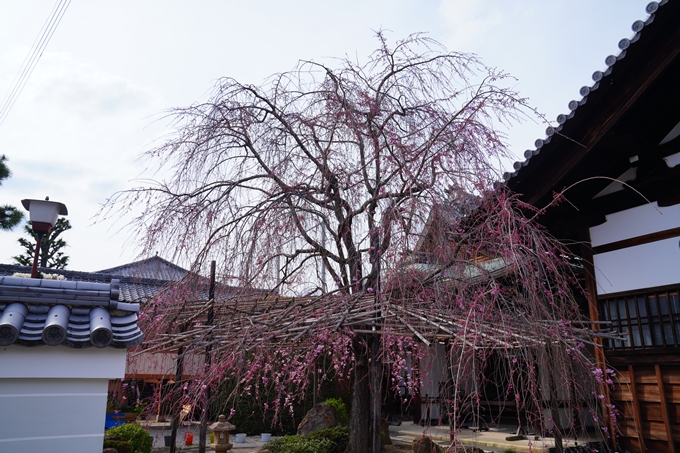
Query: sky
{"type": "Point", "coordinates": [99, 95]}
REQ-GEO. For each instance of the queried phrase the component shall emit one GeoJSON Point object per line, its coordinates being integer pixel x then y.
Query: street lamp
{"type": "Point", "coordinates": [43, 215]}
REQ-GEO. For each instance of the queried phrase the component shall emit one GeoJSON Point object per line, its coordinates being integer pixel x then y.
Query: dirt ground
{"type": "Point", "coordinates": [397, 448]}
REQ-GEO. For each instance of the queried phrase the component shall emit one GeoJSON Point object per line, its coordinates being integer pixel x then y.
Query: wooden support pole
{"type": "Point", "coordinates": [176, 407]}
{"type": "Point", "coordinates": [600, 359]}
{"type": "Point", "coordinates": [636, 408]}
{"type": "Point", "coordinates": [203, 432]}
{"type": "Point", "coordinates": [664, 410]}
{"type": "Point", "coordinates": [451, 393]}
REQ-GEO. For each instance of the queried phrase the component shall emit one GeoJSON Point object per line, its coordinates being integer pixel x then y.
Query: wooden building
{"type": "Point", "coordinates": [614, 161]}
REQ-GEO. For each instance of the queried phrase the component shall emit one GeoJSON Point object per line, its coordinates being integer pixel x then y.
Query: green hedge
{"type": "Point", "coordinates": [138, 437]}
{"type": "Point", "coordinates": [330, 440]}
{"type": "Point", "coordinates": [300, 444]}
{"type": "Point", "coordinates": [338, 435]}
{"type": "Point", "coordinates": [122, 446]}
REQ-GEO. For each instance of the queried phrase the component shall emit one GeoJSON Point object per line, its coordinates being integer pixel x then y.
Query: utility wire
{"type": "Point", "coordinates": [33, 57]}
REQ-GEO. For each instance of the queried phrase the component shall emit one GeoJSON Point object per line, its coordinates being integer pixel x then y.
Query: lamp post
{"type": "Point", "coordinates": [43, 215]}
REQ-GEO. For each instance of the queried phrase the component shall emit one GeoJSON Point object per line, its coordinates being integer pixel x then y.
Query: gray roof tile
{"type": "Point", "coordinates": [152, 268]}
{"type": "Point", "coordinates": [573, 106]}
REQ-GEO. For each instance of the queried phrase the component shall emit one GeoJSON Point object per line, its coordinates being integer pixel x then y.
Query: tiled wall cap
{"type": "Point", "coordinates": [11, 321]}
{"type": "Point", "coordinates": [100, 328]}
{"type": "Point", "coordinates": [56, 323]}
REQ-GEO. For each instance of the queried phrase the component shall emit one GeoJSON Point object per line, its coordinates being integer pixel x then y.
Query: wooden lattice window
{"type": "Point", "coordinates": [649, 320]}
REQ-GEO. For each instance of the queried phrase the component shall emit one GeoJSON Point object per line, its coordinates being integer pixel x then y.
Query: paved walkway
{"type": "Point", "coordinates": [492, 440]}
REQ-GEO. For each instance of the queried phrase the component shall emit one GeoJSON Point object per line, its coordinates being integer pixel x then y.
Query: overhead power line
{"type": "Point", "coordinates": [33, 57]}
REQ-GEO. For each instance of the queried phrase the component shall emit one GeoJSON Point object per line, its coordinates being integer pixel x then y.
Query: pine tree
{"type": "Point", "coordinates": [50, 248]}
{"type": "Point", "coordinates": [9, 215]}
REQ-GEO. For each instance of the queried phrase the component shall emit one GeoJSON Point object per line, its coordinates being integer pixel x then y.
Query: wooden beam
{"type": "Point", "coordinates": [638, 240]}
{"type": "Point", "coordinates": [636, 408]}
{"type": "Point", "coordinates": [664, 410]}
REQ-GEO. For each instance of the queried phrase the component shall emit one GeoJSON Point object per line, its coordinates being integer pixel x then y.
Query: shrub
{"type": "Point", "coordinates": [339, 435]}
{"type": "Point", "coordinates": [121, 446]}
{"type": "Point", "coordinates": [300, 444]}
{"type": "Point", "coordinates": [137, 436]}
{"type": "Point", "coordinates": [339, 406]}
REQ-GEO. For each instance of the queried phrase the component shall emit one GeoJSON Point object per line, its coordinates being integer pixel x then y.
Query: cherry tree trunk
{"type": "Point", "coordinates": [375, 371]}
{"type": "Point", "coordinates": [359, 420]}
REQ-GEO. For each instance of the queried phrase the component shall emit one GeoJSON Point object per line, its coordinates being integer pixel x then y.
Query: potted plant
{"type": "Point", "coordinates": [128, 413]}
{"type": "Point", "coordinates": [131, 412]}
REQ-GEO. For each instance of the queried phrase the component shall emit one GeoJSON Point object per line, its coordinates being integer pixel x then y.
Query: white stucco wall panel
{"type": "Point", "coordinates": [634, 222]}
{"type": "Point", "coordinates": [61, 362]}
{"type": "Point", "coordinates": [642, 266]}
{"type": "Point", "coordinates": [55, 415]}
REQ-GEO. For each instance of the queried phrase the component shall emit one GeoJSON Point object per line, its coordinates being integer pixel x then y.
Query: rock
{"type": "Point", "coordinates": [426, 445]}
{"type": "Point", "coordinates": [109, 450]}
{"type": "Point", "coordinates": [385, 432]}
{"type": "Point", "coordinates": [319, 417]}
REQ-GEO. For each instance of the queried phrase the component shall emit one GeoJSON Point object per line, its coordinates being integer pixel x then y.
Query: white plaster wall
{"type": "Point", "coordinates": [642, 266]}
{"type": "Point", "coordinates": [638, 221]}
{"type": "Point", "coordinates": [52, 415]}
{"type": "Point", "coordinates": [638, 267]}
{"type": "Point", "coordinates": [53, 399]}
{"type": "Point", "coordinates": [61, 362]}
{"type": "Point", "coordinates": [433, 371]}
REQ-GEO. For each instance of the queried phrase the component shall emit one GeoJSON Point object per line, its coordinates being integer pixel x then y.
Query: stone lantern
{"type": "Point", "coordinates": [221, 429]}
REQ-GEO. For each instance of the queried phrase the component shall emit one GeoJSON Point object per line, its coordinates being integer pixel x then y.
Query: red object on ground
{"type": "Point", "coordinates": [188, 438]}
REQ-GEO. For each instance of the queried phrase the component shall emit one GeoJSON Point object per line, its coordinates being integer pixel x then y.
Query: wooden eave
{"type": "Point", "coordinates": [629, 113]}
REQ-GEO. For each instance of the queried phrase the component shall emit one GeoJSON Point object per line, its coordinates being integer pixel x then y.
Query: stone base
{"type": "Point", "coordinates": [222, 447]}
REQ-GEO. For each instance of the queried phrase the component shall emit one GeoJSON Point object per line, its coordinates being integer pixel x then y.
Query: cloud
{"type": "Point", "coordinates": [473, 22]}
{"type": "Point", "coordinates": [78, 88]}
{"type": "Point", "coordinates": [75, 134]}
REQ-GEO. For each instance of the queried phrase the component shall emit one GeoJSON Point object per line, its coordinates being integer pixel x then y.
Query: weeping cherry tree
{"type": "Point", "coordinates": [333, 187]}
